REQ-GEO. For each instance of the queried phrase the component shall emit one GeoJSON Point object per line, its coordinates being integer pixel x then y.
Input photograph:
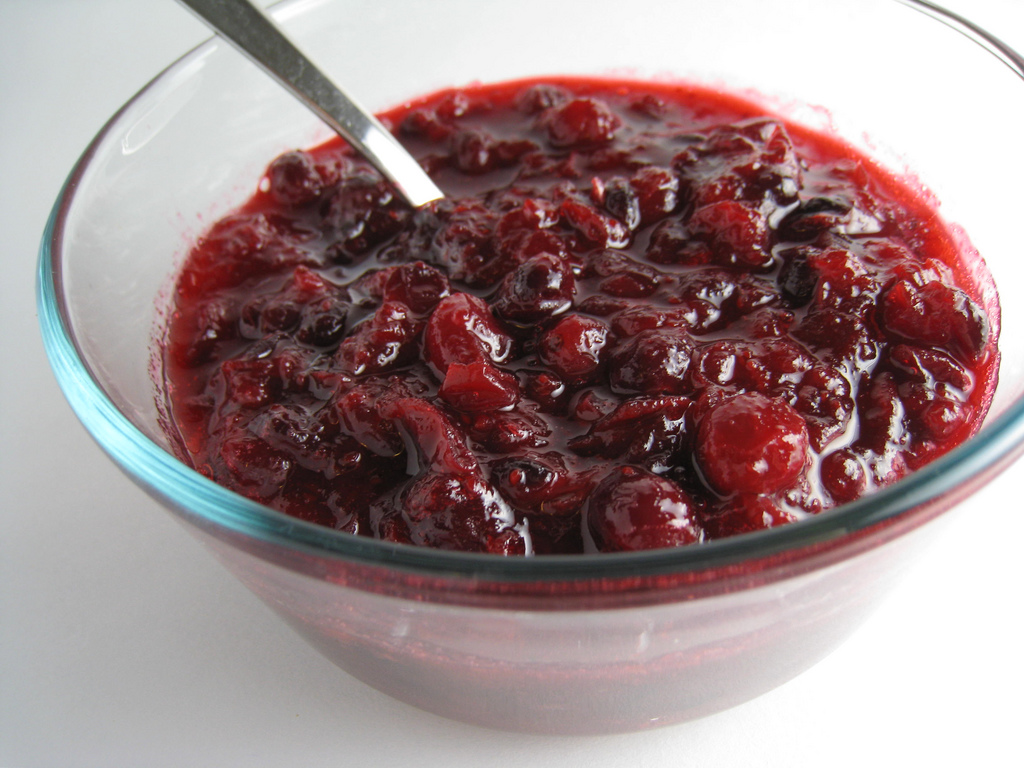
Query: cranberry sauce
{"type": "Point", "coordinates": [645, 316]}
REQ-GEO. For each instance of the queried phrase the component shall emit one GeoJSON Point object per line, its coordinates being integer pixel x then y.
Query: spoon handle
{"type": "Point", "coordinates": [255, 35]}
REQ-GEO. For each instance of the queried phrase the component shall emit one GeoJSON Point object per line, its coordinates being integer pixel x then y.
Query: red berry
{"type": "Point", "coordinates": [573, 348]}
{"type": "Point", "coordinates": [744, 513]}
{"type": "Point", "coordinates": [509, 431]}
{"type": "Point", "coordinates": [581, 122]}
{"type": "Point", "coordinates": [671, 243]}
{"type": "Point", "coordinates": [843, 475]}
{"type": "Point", "coordinates": [434, 441]}
{"type": "Point", "coordinates": [463, 330]}
{"type": "Point", "coordinates": [737, 233]}
{"type": "Point", "coordinates": [881, 415]}
{"type": "Point", "coordinates": [250, 383]}
{"type": "Point", "coordinates": [540, 484]}
{"type": "Point", "coordinates": [363, 212]}
{"type": "Point", "coordinates": [478, 387]}
{"type": "Point", "coordinates": [936, 314]}
{"type": "Point", "coordinates": [643, 430]}
{"type": "Point", "coordinates": [621, 276]}
{"type": "Point", "coordinates": [597, 227]}
{"type": "Point", "coordinates": [450, 511]}
{"type": "Point", "coordinates": [653, 362]}
{"type": "Point", "coordinates": [541, 287]}
{"type": "Point", "coordinates": [257, 469]}
{"type": "Point", "coordinates": [752, 444]}
{"type": "Point", "coordinates": [634, 509]}
{"type": "Point", "coordinates": [537, 98]}
{"type": "Point", "coordinates": [657, 191]}
{"type": "Point", "coordinates": [381, 342]}
{"type": "Point", "coordinates": [621, 201]}
{"type": "Point", "coordinates": [359, 414]}
{"type": "Point", "coordinates": [417, 285]}
{"type": "Point", "coordinates": [294, 179]}
{"type": "Point", "coordinates": [476, 152]}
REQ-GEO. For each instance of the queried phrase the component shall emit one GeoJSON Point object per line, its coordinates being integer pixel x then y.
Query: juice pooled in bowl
{"type": "Point", "coordinates": [645, 315]}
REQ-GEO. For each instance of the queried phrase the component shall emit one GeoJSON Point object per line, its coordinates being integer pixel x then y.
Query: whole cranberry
{"type": "Point", "coordinates": [654, 362]}
{"type": "Point", "coordinates": [385, 340]}
{"type": "Point", "coordinates": [363, 212]}
{"type": "Point", "coordinates": [581, 122]}
{"type": "Point", "coordinates": [634, 509]}
{"type": "Point", "coordinates": [463, 330]}
{"type": "Point", "coordinates": [418, 285]}
{"type": "Point", "coordinates": [438, 445]}
{"type": "Point", "coordinates": [738, 233]}
{"type": "Point", "coordinates": [751, 443]}
{"type": "Point", "coordinates": [657, 192]}
{"type": "Point", "coordinates": [744, 513]}
{"type": "Point", "coordinates": [480, 386]}
{"type": "Point", "coordinates": [935, 314]}
{"type": "Point", "coordinates": [573, 348]}
{"type": "Point", "coordinates": [843, 475]}
{"type": "Point", "coordinates": [450, 511]}
{"type": "Point", "coordinates": [259, 471]}
{"type": "Point", "coordinates": [539, 288]}
{"type": "Point", "coordinates": [294, 179]}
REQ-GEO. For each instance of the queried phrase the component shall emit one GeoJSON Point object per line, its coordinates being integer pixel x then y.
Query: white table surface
{"type": "Point", "coordinates": [122, 642]}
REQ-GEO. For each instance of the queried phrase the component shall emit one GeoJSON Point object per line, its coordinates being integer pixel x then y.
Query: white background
{"type": "Point", "coordinates": [122, 643]}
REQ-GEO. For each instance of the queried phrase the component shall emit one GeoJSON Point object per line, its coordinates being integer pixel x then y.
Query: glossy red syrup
{"type": "Point", "coordinates": [645, 316]}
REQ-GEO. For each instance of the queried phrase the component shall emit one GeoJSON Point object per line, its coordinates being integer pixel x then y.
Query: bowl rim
{"type": "Point", "coordinates": [214, 507]}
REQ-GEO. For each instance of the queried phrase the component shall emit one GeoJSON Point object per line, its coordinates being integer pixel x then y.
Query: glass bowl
{"type": "Point", "coordinates": [581, 644]}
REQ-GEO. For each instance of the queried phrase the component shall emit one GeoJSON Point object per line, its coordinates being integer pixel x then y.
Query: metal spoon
{"type": "Point", "coordinates": [255, 35]}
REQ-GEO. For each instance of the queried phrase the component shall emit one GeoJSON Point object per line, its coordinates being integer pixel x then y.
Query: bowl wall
{"type": "Point", "coordinates": [567, 670]}
{"type": "Point", "coordinates": [572, 650]}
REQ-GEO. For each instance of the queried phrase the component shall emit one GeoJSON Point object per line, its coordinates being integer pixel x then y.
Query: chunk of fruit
{"type": "Point", "coordinates": [744, 513]}
{"type": "Point", "coordinates": [294, 179]}
{"type": "Point", "coordinates": [644, 430]}
{"type": "Point", "coordinates": [653, 362]}
{"type": "Point", "coordinates": [433, 442]}
{"type": "Point", "coordinates": [633, 509]}
{"type": "Point", "coordinates": [476, 387]}
{"type": "Point", "coordinates": [381, 342]}
{"type": "Point", "coordinates": [581, 122]}
{"type": "Point", "coordinates": [935, 314]}
{"type": "Point", "coordinates": [450, 511]}
{"type": "Point", "coordinates": [752, 444]}
{"type": "Point", "coordinates": [463, 330]}
{"type": "Point", "coordinates": [737, 233]}
{"type": "Point", "coordinates": [541, 287]}
{"type": "Point", "coordinates": [573, 348]}
{"type": "Point", "coordinates": [359, 415]}
{"type": "Point", "coordinates": [418, 285]}
{"type": "Point", "coordinates": [843, 475]}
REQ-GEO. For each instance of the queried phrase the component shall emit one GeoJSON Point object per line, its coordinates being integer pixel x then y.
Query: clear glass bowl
{"type": "Point", "coordinates": [585, 644]}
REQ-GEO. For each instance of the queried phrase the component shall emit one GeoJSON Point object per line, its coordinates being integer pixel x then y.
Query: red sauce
{"type": "Point", "coordinates": [645, 316]}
